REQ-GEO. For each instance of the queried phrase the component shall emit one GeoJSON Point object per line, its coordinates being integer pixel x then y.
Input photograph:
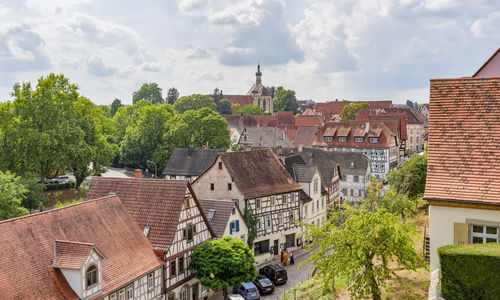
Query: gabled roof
{"type": "Point", "coordinates": [258, 173]}
{"type": "Point", "coordinates": [151, 202]}
{"type": "Point", "coordinates": [265, 137]}
{"type": "Point", "coordinates": [72, 255]}
{"type": "Point", "coordinates": [190, 162]}
{"type": "Point", "coordinates": [303, 173]}
{"type": "Point", "coordinates": [351, 163]}
{"type": "Point", "coordinates": [464, 136]}
{"type": "Point", "coordinates": [491, 68]}
{"type": "Point", "coordinates": [258, 89]}
{"type": "Point", "coordinates": [306, 120]}
{"type": "Point", "coordinates": [305, 136]}
{"type": "Point", "coordinates": [27, 247]}
{"type": "Point", "coordinates": [221, 212]}
{"type": "Point", "coordinates": [326, 165]}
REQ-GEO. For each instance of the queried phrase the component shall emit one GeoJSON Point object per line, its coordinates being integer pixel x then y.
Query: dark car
{"type": "Point", "coordinates": [264, 285]}
{"type": "Point", "coordinates": [248, 290]}
{"type": "Point", "coordinates": [276, 273]}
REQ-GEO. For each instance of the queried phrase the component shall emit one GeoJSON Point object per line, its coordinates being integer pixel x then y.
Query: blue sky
{"type": "Point", "coordinates": [324, 50]}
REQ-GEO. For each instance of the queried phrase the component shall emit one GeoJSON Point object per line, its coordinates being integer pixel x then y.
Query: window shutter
{"type": "Point", "coordinates": [231, 228]}
{"type": "Point", "coordinates": [237, 225]}
{"type": "Point", "coordinates": [461, 233]}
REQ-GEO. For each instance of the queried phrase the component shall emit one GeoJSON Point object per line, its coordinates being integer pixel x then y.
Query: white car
{"type": "Point", "coordinates": [235, 297]}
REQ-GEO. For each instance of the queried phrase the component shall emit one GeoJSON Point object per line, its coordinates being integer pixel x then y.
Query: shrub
{"type": "Point", "coordinates": [470, 271]}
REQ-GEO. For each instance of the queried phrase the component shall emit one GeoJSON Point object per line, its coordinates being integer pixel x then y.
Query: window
{"type": "Point", "coordinates": [343, 178]}
{"type": "Point", "coordinates": [358, 139]}
{"type": "Point", "coordinates": [317, 205]}
{"type": "Point", "coordinates": [257, 203]}
{"type": "Point", "coordinates": [356, 178]}
{"type": "Point", "coordinates": [173, 270]}
{"type": "Point", "coordinates": [186, 203]}
{"type": "Point", "coordinates": [315, 186]}
{"type": "Point", "coordinates": [411, 139]}
{"type": "Point", "coordinates": [271, 200]}
{"type": "Point", "coordinates": [484, 234]}
{"type": "Point", "coordinates": [151, 280]}
{"type": "Point", "coordinates": [183, 294]}
{"type": "Point", "coordinates": [322, 202]}
{"type": "Point", "coordinates": [312, 205]}
{"type": "Point", "coordinates": [291, 217]}
{"type": "Point", "coordinates": [283, 198]}
{"type": "Point", "coordinates": [146, 230]}
{"type": "Point", "coordinates": [229, 187]}
{"type": "Point", "coordinates": [188, 232]}
{"type": "Point", "coordinates": [121, 294]}
{"type": "Point", "coordinates": [328, 138]}
{"type": "Point", "coordinates": [112, 296]}
{"type": "Point", "coordinates": [352, 192]}
{"type": "Point", "coordinates": [212, 187]}
{"type": "Point", "coordinates": [261, 247]}
{"type": "Point", "coordinates": [268, 222]}
{"type": "Point", "coordinates": [130, 292]}
{"type": "Point", "coordinates": [91, 275]}
{"type": "Point", "coordinates": [258, 224]}
{"type": "Point", "coordinates": [233, 211]}
{"type": "Point", "coordinates": [292, 198]}
{"type": "Point", "coordinates": [344, 191]}
{"type": "Point", "coordinates": [234, 226]}
{"type": "Point", "coordinates": [342, 139]}
{"type": "Point", "coordinates": [210, 215]}
{"type": "Point", "coordinates": [220, 165]}
{"type": "Point", "coordinates": [181, 264]}
{"type": "Point", "coordinates": [374, 140]}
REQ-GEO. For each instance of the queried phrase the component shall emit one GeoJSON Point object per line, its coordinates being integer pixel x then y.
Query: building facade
{"type": "Point", "coordinates": [188, 163]}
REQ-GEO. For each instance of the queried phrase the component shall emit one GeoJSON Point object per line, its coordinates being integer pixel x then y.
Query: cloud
{"type": "Point", "coordinates": [96, 66]}
{"type": "Point", "coordinates": [196, 53]}
{"type": "Point", "coordinates": [22, 49]}
{"type": "Point", "coordinates": [217, 76]}
{"type": "Point", "coordinates": [487, 27]}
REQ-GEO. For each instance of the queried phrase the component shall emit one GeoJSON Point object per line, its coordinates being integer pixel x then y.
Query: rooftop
{"type": "Point", "coordinates": [190, 162]}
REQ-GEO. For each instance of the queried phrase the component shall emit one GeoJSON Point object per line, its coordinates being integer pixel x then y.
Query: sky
{"type": "Point", "coordinates": [323, 50]}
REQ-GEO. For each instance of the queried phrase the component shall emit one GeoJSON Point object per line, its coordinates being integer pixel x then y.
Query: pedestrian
{"type": "Point", "coordinates": [292, 261]}
{"type": "Point", "coordinates": [285, 258]}
{"type": "Point", "coordinates": [282, 255]}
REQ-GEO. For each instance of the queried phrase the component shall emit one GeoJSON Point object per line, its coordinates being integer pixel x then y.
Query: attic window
{"type": "Point", "coordinates": [358, 139]}
{"type": "Point", "coordinates": [374, 140]}
{"type": "Point", "coordinates": [146, 230]}
{"type": "Point", "coordinates": [328, 138]}
{"type": "Point", "coordinates": [210, 215]}
{"type": "Point", "coordinates": [220, 165]}
{"type": "Point", "coordinates": [342, 139]}
{"type": "Point", "coordinates": [91, 276]}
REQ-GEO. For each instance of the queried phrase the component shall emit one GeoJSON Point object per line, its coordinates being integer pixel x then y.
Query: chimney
{"type": "Point", "coordinates": [367, 127]}
{"type": "Point", "coordinates": [300, 148]}
{"type": "Point", "coordinates": [138, 173]}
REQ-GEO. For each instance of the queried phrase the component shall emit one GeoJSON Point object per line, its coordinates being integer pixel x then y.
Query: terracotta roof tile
{"type": "Point", "coordinates": [307, 121]}
{"type": "Point", "coordinates": [71, 255]}
{"type": "Point", "coordinates": [27, 246]}
{"type": "Point", "coordinates": [464, 140]}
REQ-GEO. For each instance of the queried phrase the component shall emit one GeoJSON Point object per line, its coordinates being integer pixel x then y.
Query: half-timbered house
{"type": "Point", "coordinates": [257, 180]}
{"type": "Point", "coordinates": [171, 217]}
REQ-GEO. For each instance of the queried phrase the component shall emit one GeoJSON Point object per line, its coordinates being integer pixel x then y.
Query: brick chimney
{"type": "Point", "coordinates": [138, 173]}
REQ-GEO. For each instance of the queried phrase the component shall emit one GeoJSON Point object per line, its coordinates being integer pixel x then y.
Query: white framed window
{"type": "Point", "coordinates": [373, 140]}
{"type": "Point", "coordinates": [280, 219]}
{"type": "Point", "coordinates": [121, 294]}
{"type": "Point", "coordinates": [268, 222]}
{"type": "Point", "coordinates": [283, 198]}
{"type": "Point", "coordinates": [151, 280]}
{"type": "Point", "coordinates": [291, 217]}
{"type": "Point", "coordinates": [358, 139]}
{"type": "Point", "coordinates": [315, 186]}
{"type": "Point", "coordinates": [342, 139]}
{"type": "Point", "coordinates": [258, 224]}
{"type": "Point", "coordinates": [328, 138]}
{"type": "Point", "coordinates": [292, 198]}
{"type": "Point", "coordinates": [481, 234]}
{"type": "Point", "coordinates": [257, 203]}
{"type": "Point", "coordinates": [130, 292]}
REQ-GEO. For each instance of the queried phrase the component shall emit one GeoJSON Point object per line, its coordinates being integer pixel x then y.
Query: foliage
{"type": "Point", "coordinates": [250, 110]}
{"type": "Point", "coordinates": [127, 116]}
{"type": "Point", "coordinates": [351, 110]}
{"type": "Point", "coordinates": [57, 186]}
{"type": "Point", "coordinates": [148, 91]}
{"type": "Point", "coordinates": [251, 222]}
{"type": "Point", "coordinates": [470, 271]}
{"type": "Point", "coordinates": [361, 250]}
{"type": "Point", "coordinates": [410, 178]}
{"type": "Point", "coordinates": [286, 101]}
{"type": "Point", "coordinates": [222, 263]}
{"type": "Point", "coordinates": [393, 202]}
{"type": "Point", "coordinates": [12, 193]}
{"type": "Point", "coordinates": [194, 102]}
{"type": "Point", "coordinates": [75, 201]}
{"type": "Point", "coordinates": [117, 103]}
{"type": "Point", "coordinates": [273, 90]}
{"type": "Point", "coordinates": [172, 95]}
{"type": "Point", "coordinates": [224, 107]}
{"type": "Point", "coordinates": [234, 108]}
{"type": "Point", "coordinates": [34, 198]}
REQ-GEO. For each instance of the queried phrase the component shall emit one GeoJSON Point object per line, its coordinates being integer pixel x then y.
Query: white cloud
{"type": "Point", "coordinates": [216, 76]}
{"type": "Point", "coordinates": [487, 27]}
{"type": "Point", "coordinates": [96, 66]}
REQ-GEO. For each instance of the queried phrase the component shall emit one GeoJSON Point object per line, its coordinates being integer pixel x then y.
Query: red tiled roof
{"type": "Point", "coordinates": [27, 247]}
{"type": "Point", "coordinates": [242, 100]}
{"type": "Point", "coordinates": [258, 173]}
{"type": "Point", "coordinates": [151, 202]}
{"type": "Point", "coordinates": [464, 137]}
{"type": "Point", "coordinates": [71, 255]}
{"type": "Point", "coordinates": [307, 121]}
{"type": "Point", "coordinates": [286, 118]}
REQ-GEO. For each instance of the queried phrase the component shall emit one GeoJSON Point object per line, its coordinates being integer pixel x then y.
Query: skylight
{"type": "Point", "coordinates": [210, 215]}
{"type": "Point", "coordinates": [146, 230]}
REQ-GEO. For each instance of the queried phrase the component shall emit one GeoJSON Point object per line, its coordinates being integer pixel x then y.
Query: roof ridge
{"type": "Point", "coordinates": [221, 200]}
{"type": "Point", "coordinates": [74, 242]}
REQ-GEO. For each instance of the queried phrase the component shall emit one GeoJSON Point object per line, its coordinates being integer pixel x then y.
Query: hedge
{"type": "Point", "coordinates": [470, 271]}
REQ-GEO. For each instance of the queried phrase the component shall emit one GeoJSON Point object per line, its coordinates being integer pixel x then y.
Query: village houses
{"type": "Point", "coordinates": [257, 182]}
{"type": "Point", "coordinates": [188, 163]}
{"type": "Point", "coordinates": [170, 216]}
{"type": "Point", "coordinates": [226, 218]}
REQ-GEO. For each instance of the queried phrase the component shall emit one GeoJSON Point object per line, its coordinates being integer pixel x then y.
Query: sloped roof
{"type": "Point", "coordinates": [266, 137]}
{"type": "Point", "coordinates": [71, 255]}
{"type": "Point", "coordinates": [258, 89]}
{"type": "Point", "coordinates": [303, 173]}
{"type": "Point", "coordinates": [190, 162]}
{"type": "Point", "coordinates": [27, 246]}
{"type": "Point", "coordinates": [464, 136]}
{"type": "Point", "coordinates": [151, 202]}
{"type": "Point", "coordinates": [326, 165]}
{"type": "Point", "coordinates": [305, 135]}
{"type": "Point", "coordinates": [258, 173]}
{"type": "Point", "coordinates": [351, 163]}
{"type": "Point", "coordinates": [307, 120]}
{"type": "Point", "coordinates": [222, 212]}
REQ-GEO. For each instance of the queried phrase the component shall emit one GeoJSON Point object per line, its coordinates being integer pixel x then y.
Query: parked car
{"type": "Point", "coordinates": [275, 273]}
{"type": "Point", "coordinates": [235, 297]}
{"type": "Point", "coordinates": [59, 180]}
{"type": "Point", "coordinates": [248, 290]}
{"type": "Point", "coordinates": [264, 285]}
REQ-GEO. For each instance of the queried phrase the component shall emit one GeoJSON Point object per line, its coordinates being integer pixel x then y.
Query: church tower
{"type": "Point", "coordinates": [261, 96]}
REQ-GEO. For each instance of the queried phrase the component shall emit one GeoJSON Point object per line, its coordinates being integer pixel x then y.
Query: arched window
{"type": "Point", "coordinates": [91, 275]}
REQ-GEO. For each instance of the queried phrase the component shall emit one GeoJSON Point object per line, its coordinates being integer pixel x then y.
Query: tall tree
{"type": "Point", "coordinates": [273, 90]}
{"type": "Point", "coordinates": [194, 102]}
{"type": "Point", "coordinates": [285, 101]}
{"type": "Point", "coordinates": [172, 95]}
{"type": "Point", "coordinates": [250, 110]}
{"type": "Point", "coordinates": [12, 193]}
{"type": "Point", "coordinates": [148, 91]}
{"type": "Point", "coordinates": [361, 249]}
{"type": "Point", "coordinates": [127, 116]}
{"type": "Point", "coordinates": [34, 197]}
{"type": "Point", "coordinates": [410, 178]}
{"type": "Point", "coordinates": [117, 103]}
{"type": "Point", "coordinates": [222, 263]}
{"type": "Point", "coordinates": [224, 107]}
{"type": "Point", "coordinates": [351, 110]}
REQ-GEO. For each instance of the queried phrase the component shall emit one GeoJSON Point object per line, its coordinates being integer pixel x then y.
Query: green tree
{"type": "Point", "coordinates": [172, 95]}
{"type": "Point", "coordinates": [361, 250]}
{"type": "Point", "coordinates": [117, 103]}
{"type": "Point", "coordinates": [410, 178]}
{"type": "Point", "coordinates": [234, 108]}
{"type": "Point", "coordinates": [285, 101]}
{"type": "Point", "coordinates": [34, 197]}
{"type": "Point", "coordinates": [127, 116]}
{"type": "Point", "coordinates": [351, 110]}
{"type": "Point", "coordinates": [12, 193]}
{"type": "Point", "coordinates": [225, 107]}
{"type": "Point", "coordinates": [222, 263]}
{"type": "Point", "coordinates": [148, 91]}
{"type": "Point", "coordinates": [74, 201]}
{"type": "Point", "coordinates": [391, 200]}
{"type": "Point", "coordinates": [250, 110]}
{"type": "Point", "coordinates": [194, 102]}
{"type": "Point", "coordinates": [273, 90]}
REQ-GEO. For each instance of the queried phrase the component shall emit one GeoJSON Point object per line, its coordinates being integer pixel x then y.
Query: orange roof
{"type": "Point", "coordinates": [307, 121]}
{"type": "Point", "coordinates": [27, 248]}
{"type": "Point", "coordinates": [464, 137]}
{"type": "Point", "coordinates": [71, 255]}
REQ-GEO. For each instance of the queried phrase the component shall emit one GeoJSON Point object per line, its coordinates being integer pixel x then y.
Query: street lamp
{"type": "Point", "coordinates": [152, 162]}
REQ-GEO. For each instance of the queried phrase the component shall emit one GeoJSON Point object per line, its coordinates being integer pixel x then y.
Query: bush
{"type": "Point", "coordinates": [470, 271]}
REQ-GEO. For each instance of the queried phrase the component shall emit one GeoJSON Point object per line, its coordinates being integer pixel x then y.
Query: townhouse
{"type": "Point", "coordinates": [188, 163]}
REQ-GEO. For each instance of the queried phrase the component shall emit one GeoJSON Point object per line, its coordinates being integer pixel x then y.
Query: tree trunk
{"type": "Point", "coordinates": [376, 295]}
{"type": "Point", "coordinates": [224, 293]}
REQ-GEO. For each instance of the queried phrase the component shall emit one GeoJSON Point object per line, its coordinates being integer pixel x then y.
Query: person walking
{"type": "Point", "coordinates": [292, 260]}
{"type": "Point", "coordinates": [282, 255]}
{"type": "Point", "coordinates": [285, 258]}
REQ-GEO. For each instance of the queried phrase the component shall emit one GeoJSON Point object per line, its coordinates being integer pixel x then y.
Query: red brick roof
{"type": "Point", "coordinates": [242, 100]}
{"type": "Point", "coordinates": [258, 173]}
{"type": "Point", "coordinates": [307, 121]}
{"type": "Point", "coordinates": [151, 202]}
{"type": "Point", "coordinates": [464, 137]}
{"type": "Point", "coordinates": [27, 247]}
{"type": "Point", "coordinates": [71, 255]}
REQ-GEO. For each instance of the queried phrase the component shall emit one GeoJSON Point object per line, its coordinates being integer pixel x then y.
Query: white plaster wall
{"type": "Point", "coordinates": [93, 258]}
{"type": "Point", "coordinates": [441, 219]}
{"type": "Point", "coordinates": [73, 277]}
{"type": "Point", "coordinates": [243, 227]}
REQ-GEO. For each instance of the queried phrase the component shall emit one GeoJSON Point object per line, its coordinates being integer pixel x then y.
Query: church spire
{"type": "Point", "coordinates": [258, 75]}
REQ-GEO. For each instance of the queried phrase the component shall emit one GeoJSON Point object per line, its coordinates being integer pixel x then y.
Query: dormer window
{"type": "Point", "coordinates": [328, 138]}
{"type": "Point", "coordinates": [358, 139]}
{"type": "Point", "coordinates": [374, 140]}
{"type": "Point", "coordinates": [342, 139]}
{"type": "Point", "coordinates": [91, 276]}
